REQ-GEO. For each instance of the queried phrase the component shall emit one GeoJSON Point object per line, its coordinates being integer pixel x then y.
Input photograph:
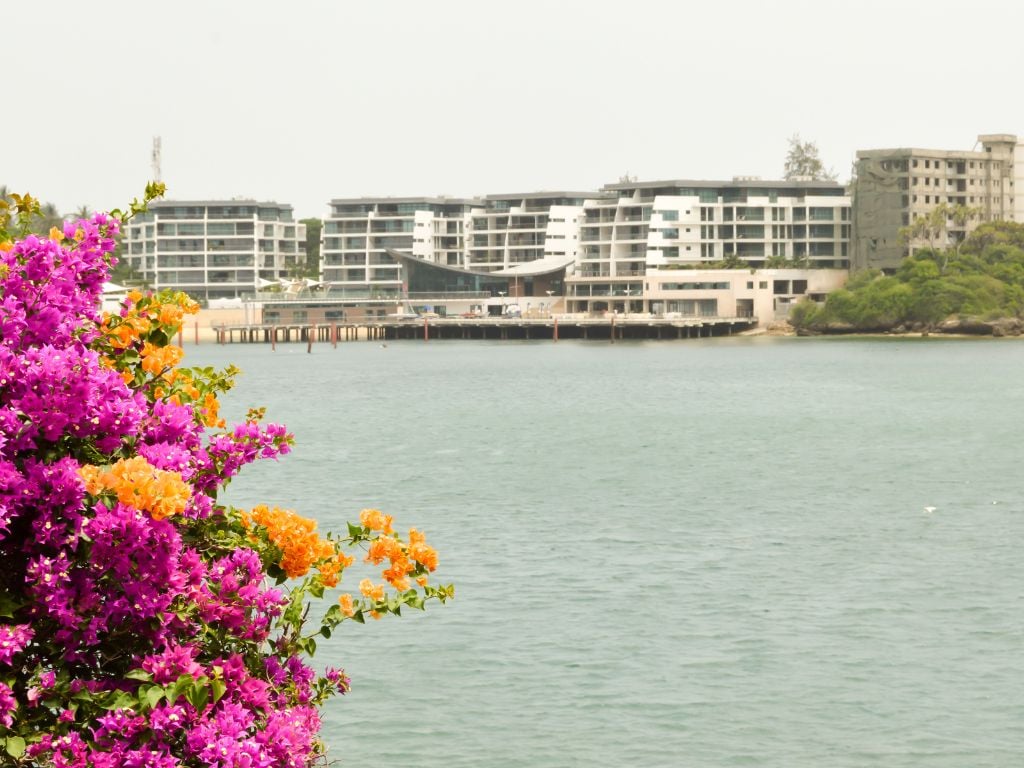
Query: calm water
{"type": "Point", "coordinates": [706, 553]}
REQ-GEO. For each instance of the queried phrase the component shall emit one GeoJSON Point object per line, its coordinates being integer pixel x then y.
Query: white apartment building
{"type": "Point", "coordinates": [214, 248]}
{"type": "Point", "coordinates": [481, 235]}
{"type": "Point", "coordinates": [510, 229]}
{"type": "Point", "coordinates": [359, 231]}
{"type": "Point", "coordinates": [893, 187]}
{"type": "Point", "coordinates": [636, 227]}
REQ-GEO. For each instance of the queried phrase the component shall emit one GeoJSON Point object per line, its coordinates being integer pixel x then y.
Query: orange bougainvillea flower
{"type": "Point", "coordinates": [422, 553]}
{"type": "Point", "coordinates": [330, 569]}
{"type": "Point", "coordinates": [125, 331]}
{"type": "Point", "coordinates": [139, 484]}
{"type": "Point", "coordinates": [390, 548]}
{"type": "Point", "coordinates": [301, 546]}
{"type": "Point", "coordinates": [371, 590]}
{"type": "Point", "coordinates": [156, 360]}
{"type": "Point", "coordinates": [91, 475]}
{"type": "Point", "coordinates": [170, 314]}
{"type": "Point", "coordinates": [210, 409]}
{"type": "Point", "coordinates": [400, 566]}
{"type": "Point", "coordinates": [400, 583]}
{"type": "Point", "coordinates": [383, 547]}
{"type": "Point", "coordinates": [345, 601]}
{"type": "Point", "coordinates": [375, 520]}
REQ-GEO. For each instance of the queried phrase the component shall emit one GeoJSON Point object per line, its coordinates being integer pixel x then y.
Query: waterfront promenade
{"type": "Point", "coordinates": [609, 327]}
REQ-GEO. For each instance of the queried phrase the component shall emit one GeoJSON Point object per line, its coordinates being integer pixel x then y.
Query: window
{"type": "Point", "coordinates": [708, 286]}
{"type": "Point", "coordinates": [763, 284]}
{"type": "Point", "coordinates": [750, 285]}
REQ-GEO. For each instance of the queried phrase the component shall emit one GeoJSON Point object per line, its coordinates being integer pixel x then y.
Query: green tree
{"type": "Point", "coordinates": [732, 261]}
{"type": "Point", "coordinates": [312, 266]}
{"type": "Point", "coordinates": [804, 161]}
{"type": "Point", "coordinates": [995, 233]}
{"type": "Point", "coordinates": [934, 228]}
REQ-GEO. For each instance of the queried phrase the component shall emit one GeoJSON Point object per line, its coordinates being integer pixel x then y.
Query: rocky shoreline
{"type": "Point", "coordinates": [954, 326]}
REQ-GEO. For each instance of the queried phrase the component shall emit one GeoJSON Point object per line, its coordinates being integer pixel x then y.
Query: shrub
{"type": "Point", "coordinates": [142, 623]}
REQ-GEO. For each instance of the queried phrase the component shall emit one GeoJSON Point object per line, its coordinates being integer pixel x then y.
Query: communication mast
{"type": "Point", "coordinates": [156, 159]}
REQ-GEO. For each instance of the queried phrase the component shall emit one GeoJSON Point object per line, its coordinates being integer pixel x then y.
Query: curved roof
{"type": "Point", "coordinates": [545, 266]}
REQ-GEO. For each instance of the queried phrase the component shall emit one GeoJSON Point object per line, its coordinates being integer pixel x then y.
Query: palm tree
{"type": "Point", "coordinates": [46, 218]}
{"type": "Point", "coordinates": [936, 225]}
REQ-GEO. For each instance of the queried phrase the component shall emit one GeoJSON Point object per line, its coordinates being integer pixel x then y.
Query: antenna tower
{"type": "Point", "coordinates": [156, 159]}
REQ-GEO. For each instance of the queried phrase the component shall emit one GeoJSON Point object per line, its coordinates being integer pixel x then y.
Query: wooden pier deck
{"type": "Point", "coordinates": [611, 328]}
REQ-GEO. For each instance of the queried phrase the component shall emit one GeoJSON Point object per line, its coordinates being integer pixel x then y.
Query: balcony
{"type": "Point", "coordinates": [634, 233]}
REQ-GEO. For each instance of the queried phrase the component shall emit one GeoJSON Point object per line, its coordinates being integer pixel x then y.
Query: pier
{"type": "Point", "coordinates": [609, 328]}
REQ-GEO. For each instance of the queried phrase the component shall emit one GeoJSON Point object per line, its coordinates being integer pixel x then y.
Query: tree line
{"type": "Point", "coordinates": [974, 285]}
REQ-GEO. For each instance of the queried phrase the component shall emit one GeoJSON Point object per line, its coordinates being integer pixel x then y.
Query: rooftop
{"type": "Point", "coordinates": [738, 183]}
{"type": "Point", "coordinates": [544, 195]}
{"type": "Point", "coordinates": [208, 203]}
{"type": "Point", "coordinates": [431, 200]}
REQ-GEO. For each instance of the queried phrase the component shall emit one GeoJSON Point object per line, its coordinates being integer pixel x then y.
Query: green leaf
{"type": "Point", "coordinates": [120, 700]}
{"type": "Point", "coordinates": [293, 613]}
{"type": "Point", "coordinates": [183, 683]}
{"type": "Point", "coordinates": [15, 746]}
{"type": "Point", "coordinates": [139, 674]}
{"type": "Point", "coordinates": [198, 695]}
{"type": "Point", "coordinates": [218, 687]}
{"type": "Point", "coordinates": [151, 695]}
{"type": "Point", "coordinates": [8, 606]}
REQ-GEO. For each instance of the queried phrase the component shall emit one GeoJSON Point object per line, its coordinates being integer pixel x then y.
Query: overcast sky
{"type": "Point", "coordinates": [304, 101]}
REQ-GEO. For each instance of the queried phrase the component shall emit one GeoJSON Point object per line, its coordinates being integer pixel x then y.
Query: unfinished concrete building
{"type": "Point", "coordinates": [893, 187]}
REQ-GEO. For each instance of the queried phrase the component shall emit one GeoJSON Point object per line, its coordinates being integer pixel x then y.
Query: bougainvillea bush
{"type": "Point", "coordinates": [142, 623]}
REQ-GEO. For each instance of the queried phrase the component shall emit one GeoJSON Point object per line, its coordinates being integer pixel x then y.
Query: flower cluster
{"type": "Point", "coordinates": [301, 546]}
{"type": "Point", "coordinates": [142, 623]}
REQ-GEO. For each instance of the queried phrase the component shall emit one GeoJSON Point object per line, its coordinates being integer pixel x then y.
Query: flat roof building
{"type": "Point", "coordinates": [509, 229]}
{"type": "Point", "coordinates": [894, 187]}
{"type": "Point", "coordinates": [637, 226]}
{"type": "Point", "coordinates": [214, 248]}
{"type": "Point", "coordinates": [359, 232]}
